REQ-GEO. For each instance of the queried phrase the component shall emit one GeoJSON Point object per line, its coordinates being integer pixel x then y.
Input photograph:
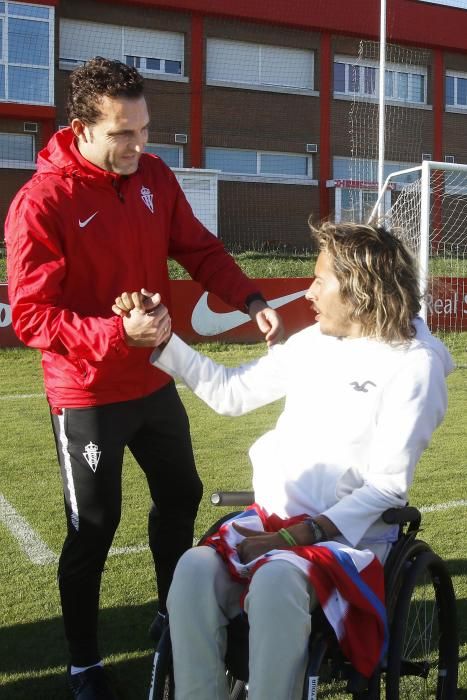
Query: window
{"type": "Point", "coordinates": [259, 65]}
{"type": "Point", "coordinates": [353, 204]}
{"type": "Point", "coordinates": [401, 84]}
{"type": "Point", "coordinates": [245, 162]}
{"type": "Point", "coordinates": [26, 59]}
{"type": "Point", "coordinates": [152, 52]}
{"type": "Point", "coordinates": [157, 65]}
{"type": "Point", "coordinates": [365, 170]}
{"type": "Point", "coordinates": [171, 155]}
{"type": "Point", "coordinates": [16, 150]}
{"type": "Point", "coordinates": [356, 186]}
{"type": "Point", "coordinates": [456, 90]}
{"type": "Point", "coordinates": [455, 183]}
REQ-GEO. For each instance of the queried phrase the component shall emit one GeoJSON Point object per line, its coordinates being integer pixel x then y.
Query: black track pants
{"type": "Point", "coordinates": [90, 445]}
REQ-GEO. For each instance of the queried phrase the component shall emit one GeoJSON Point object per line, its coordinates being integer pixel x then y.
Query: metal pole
{"type": "Point", "coordinates": [382, 96]}
{"type": "Point", "coordinates": [424, 252]}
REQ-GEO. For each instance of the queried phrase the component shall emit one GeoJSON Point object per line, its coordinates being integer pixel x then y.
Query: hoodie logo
{"type": "Point", "coordinates": [148, 198]}
{"type": "Point", "coordinates": [362, 387]}
{"type": "Point", "coordinates": [84, 223]}
{"type": "Point", "coordinates": [92, 455]}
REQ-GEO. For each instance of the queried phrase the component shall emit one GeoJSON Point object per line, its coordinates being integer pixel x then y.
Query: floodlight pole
{"type": "Point", "coordinates": [382, 96]}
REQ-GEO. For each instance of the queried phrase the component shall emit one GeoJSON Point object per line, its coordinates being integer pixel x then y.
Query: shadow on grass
{"type": "Point", "coordinates": [36, 647]}
{"type": "Point", "coordinates": [456, 567]}
{"type": "Point", "coordinates": [130, 680]}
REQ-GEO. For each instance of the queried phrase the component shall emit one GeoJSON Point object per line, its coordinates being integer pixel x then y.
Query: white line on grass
{"type": "Point", "coordinates": [39, 553]}
{"type": "Point", "coordinates": [135, 549]}
{"type": "Point", "coordinates": [13, 397]}
{"type": "Point", "coordinates": [35, 549]}
{"type": "Point", "coordinates": [443, 506]}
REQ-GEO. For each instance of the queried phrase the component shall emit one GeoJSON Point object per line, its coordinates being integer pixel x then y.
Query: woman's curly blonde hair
{"type": "Point", "coordinates": [377, 276]}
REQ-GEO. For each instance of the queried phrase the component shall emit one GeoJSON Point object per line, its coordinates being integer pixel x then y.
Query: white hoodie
{"type": "Point", "coordinates": [358, 414]}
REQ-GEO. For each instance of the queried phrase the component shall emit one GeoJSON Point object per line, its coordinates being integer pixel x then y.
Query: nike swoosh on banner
{"type": "Point", "coordinates": [82, 224]}
{"type": "Point", "coordinates": [207, 322]}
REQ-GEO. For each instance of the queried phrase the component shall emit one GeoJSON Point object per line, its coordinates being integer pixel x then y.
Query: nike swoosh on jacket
{"type": "Point", "coordinates": [83, 224]}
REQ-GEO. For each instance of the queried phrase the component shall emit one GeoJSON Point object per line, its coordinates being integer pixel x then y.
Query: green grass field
{"type": "Point", "coordinates": [278, 264]}
{"type": "Point", "coordinates": [32, 648]}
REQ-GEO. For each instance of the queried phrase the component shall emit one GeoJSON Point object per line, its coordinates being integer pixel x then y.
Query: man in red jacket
{"type": "Point", "coordinates": [99, 216]}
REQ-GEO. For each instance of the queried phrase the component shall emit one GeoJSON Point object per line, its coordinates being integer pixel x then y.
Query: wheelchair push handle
{"type": "Point", "coordinates": [400, 516]}
{"type": "Point", "coordinates": [233, 498]}
{"type": "Point", "coordinates": [391, 516]}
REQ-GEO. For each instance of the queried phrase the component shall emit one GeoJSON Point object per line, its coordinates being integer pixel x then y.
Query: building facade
{"type": "Point", "coordinates": [279, 97]}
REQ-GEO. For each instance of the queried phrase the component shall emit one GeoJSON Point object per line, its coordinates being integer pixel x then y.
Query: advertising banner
{"type": "Point", "coordinates": [8, 338]}
{"type": "Point", "coordinates": [447, 303]}
{"type": "Point", "coordinates": [200, 317]}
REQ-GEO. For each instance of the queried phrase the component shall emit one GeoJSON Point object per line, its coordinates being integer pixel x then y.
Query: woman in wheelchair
{"type": "Point", "coordinates": [364, 390]}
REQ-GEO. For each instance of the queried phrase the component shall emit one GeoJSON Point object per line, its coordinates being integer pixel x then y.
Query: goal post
{"type": "Point", "coordinates": [430, 214]}
{"type": "Point", "coordinates": [421, 250]}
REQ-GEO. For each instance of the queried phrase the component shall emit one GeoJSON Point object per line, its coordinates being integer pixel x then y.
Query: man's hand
{"type": "Point", "coordinates": [147, 329]}
{"type": "Point", "coordinates": [145, 320]}
{"type": "Point", "coordinates": [268, 320]}
{"type": "Point", "coordinates": [143, 301]}
{"type": "Point", "coordinates": [256, 543]}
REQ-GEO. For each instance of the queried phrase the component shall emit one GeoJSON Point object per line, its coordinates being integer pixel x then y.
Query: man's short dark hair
{"type": "Point", "coordinates": [98, 78]}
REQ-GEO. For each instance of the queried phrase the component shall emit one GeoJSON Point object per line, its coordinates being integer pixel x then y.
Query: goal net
{"type": "Point", "coordinates": [406, 124]}
{"type": "Point", "coordinates": [405, 120]}
{"type": "Point", "coordinates": [430, 214]}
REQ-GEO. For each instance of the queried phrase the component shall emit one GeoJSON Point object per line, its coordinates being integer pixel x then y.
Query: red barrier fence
{"type": "Point", "coordinates": [198, 316]}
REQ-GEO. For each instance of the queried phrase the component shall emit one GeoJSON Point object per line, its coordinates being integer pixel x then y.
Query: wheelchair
{"type": "Point", "coordinates": [422, 657]}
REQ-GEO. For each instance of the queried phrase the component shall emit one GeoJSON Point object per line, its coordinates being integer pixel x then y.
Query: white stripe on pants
{"type": "Point", "coordinates": [201, 601]}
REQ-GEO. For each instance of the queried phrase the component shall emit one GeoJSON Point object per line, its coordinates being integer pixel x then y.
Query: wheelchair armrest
{"type": "Point", "coordinates": [233, 498]}
{"type": "Point", "coordinates": [392, 516]}
{"type": "Point", "coordinates": [399, 516]}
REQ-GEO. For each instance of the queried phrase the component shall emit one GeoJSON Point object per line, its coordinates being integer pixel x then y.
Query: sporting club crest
{"type": "Point", "coordinates": [148, 198]}
{"type": "Point", "coordinates": [92, 455]}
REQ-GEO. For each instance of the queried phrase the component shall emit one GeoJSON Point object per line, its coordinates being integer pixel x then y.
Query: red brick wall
{"type": "Point", "coordinates": [262, 120]}
{"type": "Point", "coordinates": [257, 215]}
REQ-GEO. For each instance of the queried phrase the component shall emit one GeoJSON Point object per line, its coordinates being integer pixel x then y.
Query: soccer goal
{"type": "Point", "coordinates": [430, 214]}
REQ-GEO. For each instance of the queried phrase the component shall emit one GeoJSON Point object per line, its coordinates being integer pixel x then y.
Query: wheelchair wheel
{"type": "Point", "coordinates": [238, 690]}
{"type": "Point", "coordinates": [162, 681]}
{"type": "Point", "coordinates": [423, 647]}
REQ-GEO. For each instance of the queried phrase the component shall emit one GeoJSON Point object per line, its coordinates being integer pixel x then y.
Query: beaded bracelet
{"type": "Point", "coordinates": [285, 534]}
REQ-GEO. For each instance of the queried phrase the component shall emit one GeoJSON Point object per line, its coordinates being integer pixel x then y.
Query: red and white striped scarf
{"type": "Point", "coordinates": [349, 583]}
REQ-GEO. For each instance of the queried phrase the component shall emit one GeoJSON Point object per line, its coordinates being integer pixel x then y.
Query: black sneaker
{"type": "Point", "coordinates": [90, 684]}
{"type": "Point", "coordinates": [157, 627]}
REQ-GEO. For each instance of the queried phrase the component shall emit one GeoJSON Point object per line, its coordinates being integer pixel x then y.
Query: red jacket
{"type": "Point", "coordinates": [77, 236]}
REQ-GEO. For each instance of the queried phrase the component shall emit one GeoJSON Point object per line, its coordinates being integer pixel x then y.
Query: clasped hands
{"type": "Point", "coordinates": [146, 321]}
{"type": "Point", "coordinates": [256, 543]}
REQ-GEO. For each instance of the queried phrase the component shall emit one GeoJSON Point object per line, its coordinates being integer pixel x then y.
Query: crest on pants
{"type": "Point", "coordinates": [148, 198]}
{"type": "Point", "coordinates": [92, 455]}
